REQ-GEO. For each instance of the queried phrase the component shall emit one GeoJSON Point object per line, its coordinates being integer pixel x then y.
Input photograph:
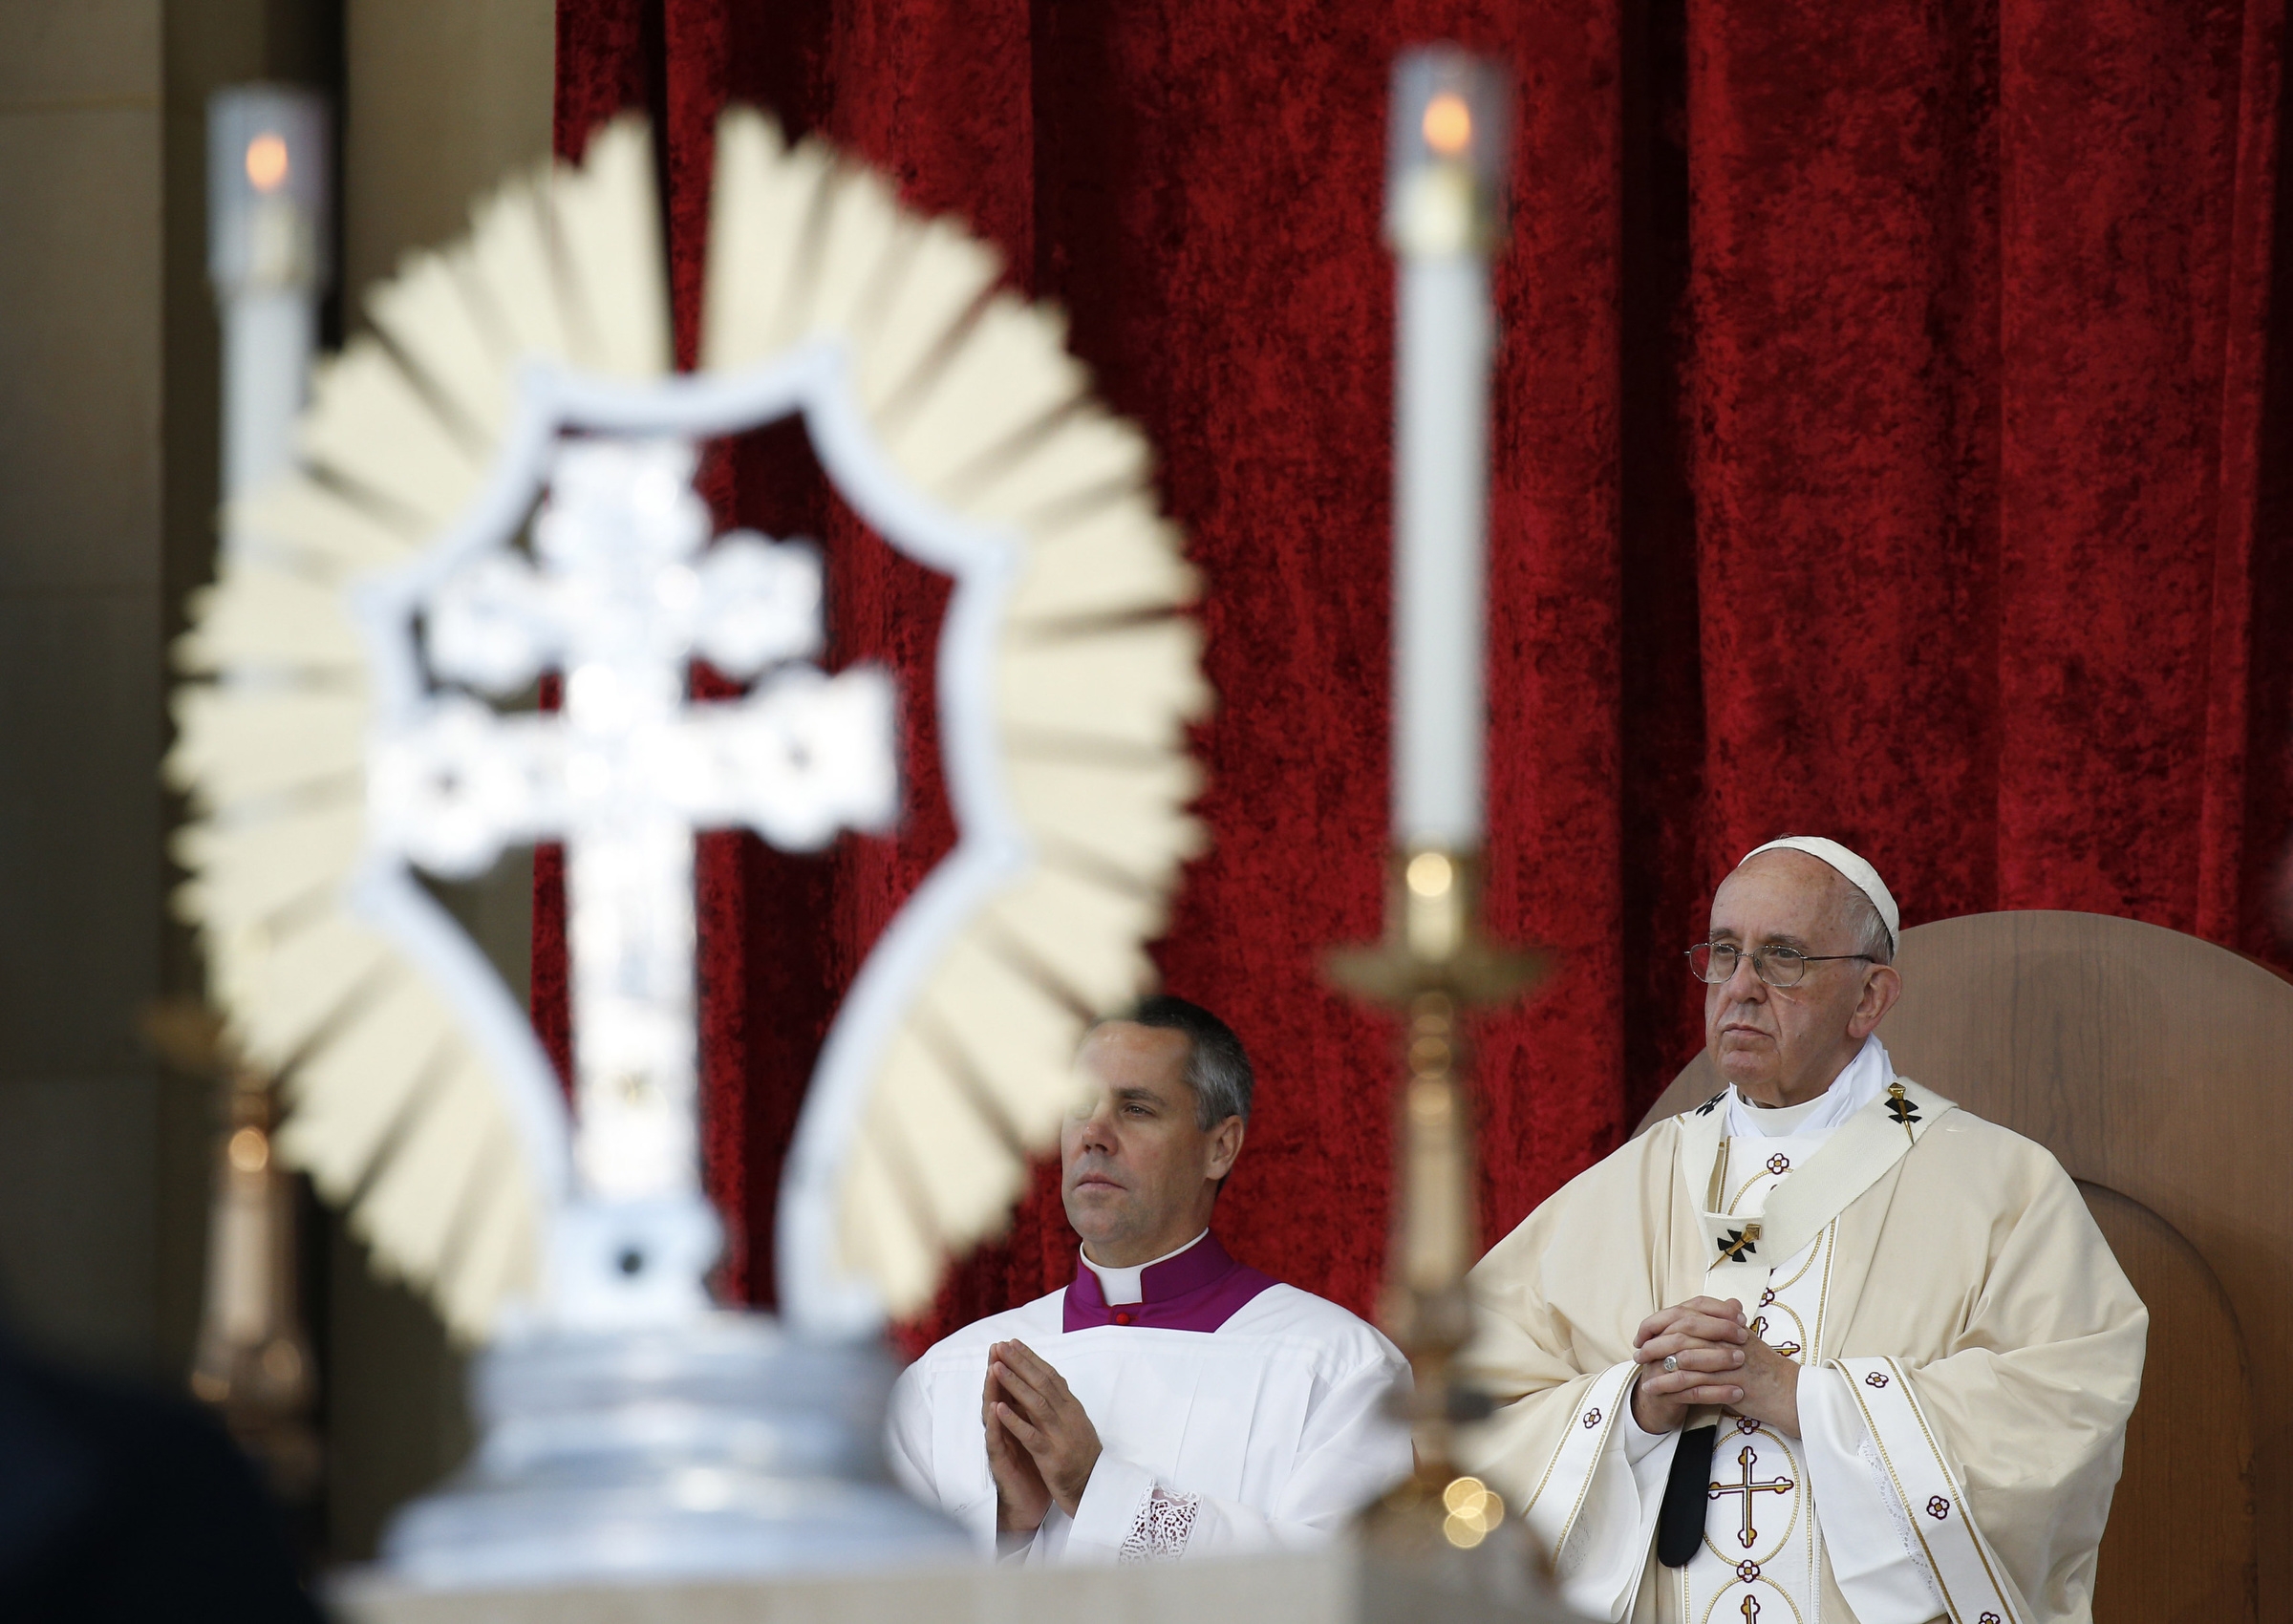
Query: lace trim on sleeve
{"type": "Point", "coordinates": [1869, 1453]}
{"type": "Point", "coordinates": [1160, 1531]}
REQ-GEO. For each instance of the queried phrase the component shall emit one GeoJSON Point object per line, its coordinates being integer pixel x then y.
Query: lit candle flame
{"type": "Point", "coordinates": [1448, 123]}
{"type": "Point", "coordinates": [266, 161]}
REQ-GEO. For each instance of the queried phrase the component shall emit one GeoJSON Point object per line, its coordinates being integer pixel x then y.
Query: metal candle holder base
{"type": "Point", "coordinates": [724, 1446]}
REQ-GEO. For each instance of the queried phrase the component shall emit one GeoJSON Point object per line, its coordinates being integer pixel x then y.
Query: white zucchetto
{"type": "Point", "coordinates": [1858, 873]}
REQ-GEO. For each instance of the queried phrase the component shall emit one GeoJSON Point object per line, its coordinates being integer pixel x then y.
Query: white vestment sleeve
{"type": "Point", "coordinates": [1606, 1552]}
{"type": "Point", "coordinates": [1125, 1514]}
{"type": "Point", "coordinates": [1640, 1445]}
{"type": "Point", "coordinates": [1353, 1450]}
{"type": "Point", "coordinates": [1049, 1546]}
{"type": "Point", "coordinates": [1865, 1534]}
{"type": "Point", "coordinates": [908, 1437]}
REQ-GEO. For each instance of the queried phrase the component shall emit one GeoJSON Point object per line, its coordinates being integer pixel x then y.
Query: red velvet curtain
{"type": "Point", "coordinates": [1890, 436]}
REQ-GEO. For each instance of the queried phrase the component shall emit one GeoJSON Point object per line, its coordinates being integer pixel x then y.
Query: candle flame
{"type": "Point", "coordinates": [1448, 123]}
{"type": "Point", "coordinates": [267, 163]}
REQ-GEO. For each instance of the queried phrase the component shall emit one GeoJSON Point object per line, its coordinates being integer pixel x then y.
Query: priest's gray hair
{"type": "Point", "coordinates": [1218, 1065]}
{"type": "Point", "coordinates": [1872, 939]}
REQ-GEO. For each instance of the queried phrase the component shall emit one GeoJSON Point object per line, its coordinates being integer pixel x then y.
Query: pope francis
{"type": "Point", "coordinates": [1823, 1346]}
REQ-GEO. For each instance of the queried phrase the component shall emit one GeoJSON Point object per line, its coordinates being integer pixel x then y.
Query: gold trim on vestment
{"type": "Point", "coordinates": [1966, 1534]}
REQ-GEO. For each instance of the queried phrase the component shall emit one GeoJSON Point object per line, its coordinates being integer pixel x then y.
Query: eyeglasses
{"type": "Point", "coordinates": [1779, 967]}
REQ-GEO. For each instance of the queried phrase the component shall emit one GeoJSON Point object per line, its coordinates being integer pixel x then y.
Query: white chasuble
{"type": "Point", "coordinates": [1969, 1352]}
{"type": "Point", "coordinates": [1233, 1413]}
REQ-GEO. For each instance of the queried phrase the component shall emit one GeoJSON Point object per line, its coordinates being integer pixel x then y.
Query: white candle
{"type": "Point", "coordinates": [268, 339]}
{"type": "Point", "coordinates": [268, 173]}
{"type": "Point", "coordinates": [1445, 181]}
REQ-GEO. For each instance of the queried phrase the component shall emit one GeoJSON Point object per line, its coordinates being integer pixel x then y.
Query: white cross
{"type": "Point", "coordinates": [623, 594]}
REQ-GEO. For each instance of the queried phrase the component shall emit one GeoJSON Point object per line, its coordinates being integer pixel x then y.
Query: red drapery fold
{"type": "Point", "coordinates": [1888, 443]}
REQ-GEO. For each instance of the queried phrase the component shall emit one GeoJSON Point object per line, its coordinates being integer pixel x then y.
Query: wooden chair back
{"type": "Point", "coordinates": [2159, 1069]}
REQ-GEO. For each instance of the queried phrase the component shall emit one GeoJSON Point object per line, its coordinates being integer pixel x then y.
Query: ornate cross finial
{"type": "Point", "coordinates": [622, 593]}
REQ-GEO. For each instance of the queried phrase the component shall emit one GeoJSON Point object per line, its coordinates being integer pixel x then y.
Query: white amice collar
{"type": "Point", "coordinates": [1865, 1079]}
{"type": "Point", "coordinates": [1119, 1285]}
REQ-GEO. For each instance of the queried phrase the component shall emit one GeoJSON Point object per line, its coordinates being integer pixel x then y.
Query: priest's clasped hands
{"type": "Point", "coordinates": [1716, 1360]}
{"type": "Point", "coordinates": [1041, 1444]}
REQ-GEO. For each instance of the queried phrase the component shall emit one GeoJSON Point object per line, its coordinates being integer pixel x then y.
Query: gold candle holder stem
{"type": "Point", "coordinates": [1433, 965]}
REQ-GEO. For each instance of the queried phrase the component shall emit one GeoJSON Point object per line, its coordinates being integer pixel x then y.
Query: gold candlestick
{"type": "Point", "coordinates": [253, 1361]}
{"type": "Point", "coordinates": [1433, 964]}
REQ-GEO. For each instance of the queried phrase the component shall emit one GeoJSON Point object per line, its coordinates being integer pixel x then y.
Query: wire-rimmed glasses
{"type": "Point", "coordinates": [1777, 966]}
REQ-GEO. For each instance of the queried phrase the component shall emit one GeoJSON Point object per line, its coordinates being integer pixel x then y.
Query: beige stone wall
{"type": "Point", "coordinates": [444, 99]}
{"type": "Point", "coordinates": [107, 493]}
{"type": "Point", "coordinates": [80, 614]}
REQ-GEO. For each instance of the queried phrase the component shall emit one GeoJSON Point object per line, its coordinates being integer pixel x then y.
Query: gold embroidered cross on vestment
{"type": "Point", "coordinates": [1747, 1458]}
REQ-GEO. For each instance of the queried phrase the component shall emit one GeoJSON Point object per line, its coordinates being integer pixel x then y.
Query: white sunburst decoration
{"type": "Point", "coordinates": [341, 728]}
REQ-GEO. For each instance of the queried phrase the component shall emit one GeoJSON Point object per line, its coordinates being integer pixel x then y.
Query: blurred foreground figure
{"type": "Point", "coordinates": [1824, 1346]}
{"type": "Point", "coordinates": [1171, 1401]}
{"type": "Point", "coordinates": [117, 1505]}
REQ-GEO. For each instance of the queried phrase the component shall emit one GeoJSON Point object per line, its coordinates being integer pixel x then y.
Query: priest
{"type": "Point", "coordinates": [1168, 1401]}
{"type": "Point", "coordinates": [1825, 1345]}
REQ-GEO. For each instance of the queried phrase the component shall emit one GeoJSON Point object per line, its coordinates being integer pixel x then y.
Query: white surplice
{"type": "Point", "coordinates": [1269, 1429]}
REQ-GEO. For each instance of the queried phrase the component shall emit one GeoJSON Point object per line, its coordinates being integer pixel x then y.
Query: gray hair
{"type": "Point", "coordinates": [1862, 914]}
{"type": "Point", "coordinates": [1217, 1066]}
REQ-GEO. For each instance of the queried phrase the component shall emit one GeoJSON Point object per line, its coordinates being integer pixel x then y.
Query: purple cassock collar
{"type": "Point", "coordinates": [1199, 1290]}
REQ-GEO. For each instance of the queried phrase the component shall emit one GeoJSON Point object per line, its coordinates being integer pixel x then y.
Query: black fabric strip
{"type": "Point", "coordinates": [1680, 1525]}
